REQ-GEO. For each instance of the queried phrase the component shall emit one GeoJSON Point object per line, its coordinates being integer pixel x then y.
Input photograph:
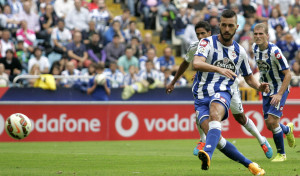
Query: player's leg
{"type": "Point", "coordinates": [232, 152]}
{"type": "Point", "coordinates": [251, 128]}
{"type": "Point", "coordinates": [218, 110]}
{"type": "Point", "coordinates": [200, 145]}
{"type": "Point", "coordinates": [239, 115]}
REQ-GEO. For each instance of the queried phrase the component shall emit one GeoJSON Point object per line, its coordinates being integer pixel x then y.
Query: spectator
{"type": "Point", "coordinates": [114, 50]}
{"type": "Point", "coordinates": [31, 18]}
{"type": "Point", "coordinates": [63, 7]}
{"type": "Point", "coordinates": [180, 25]}
{"type": "Point", "coordinates": [93, 5]}
{"type": "Point", "coordinates": [3, 76]}
{"type": "Point", "coordinates": [99, 92]}
{"type": "Point", "coordinates": [295, 32]}
{"type": "Point", "coordinates": [77, 52]}
{"type": "Point", "coordinates": [10, 21]}
{"type": "Point", "coordinates": [214, 24]}
{"type": "Point", "coordinates": [288, 47]}
{"type": "Point", "coordinates": [47, 21]}
{"type": "Point", "coordinates": [100, 16]}
{"type": "Point", "coordinates": [114, 29]}
{"type": "Point", "coordinates": [22, 55]}
{"type": "Point", "coordinates": [149, 72]}
{"type": "Point", "coordinates": [39, 59]}
{"type": "Point", "coordinates": [114, 75]}
{"type": "Point", "coordinates": [78, 18]}
{"type": "Point", "coordinates": [5, 43]}
{"type": "Point", "coordinates": [35, 70]}
{"type": "Point", "coordinates": [147, 43]}
{"type": "Point", "coordinates": [12, 65]}
{"type": "Point", "coordinates": [276, 19]}
{"type": "Point", "coordinates": [168, 77]}
{"type": "Point", "coordinates": [131, 77]}
{"type": "Point", "coordinates": [15, 5]}
{"type": "Point", "coordinates": [56, 70]}
{"type": "Point", "coordinates": [167, 61]}
{"type": "Point", "coordinates": [95, 50]}
{"type": "Point", "coordinates": [135, 45]}
{"type": "Point", "coordinates": [151, 55]}
{"type": "Point", "coordinates": [125, 61]}
{"type": "Point", "coordinates": [87, 35]}
{"type": "Point", "coordinates": [167, 14]}
{"type": "Point", "coordinates": [213, 12]}
{"type": "Point", "coordinates": [149, 11]}
{"type": "Point", "coordinates": [189, 35]}
{"type": "Point", "coordinates": [284, 6]}
{"type": "Point", "coordinates": [216, 4]}
{"type": "Point", "coordinates": [61, 36]}
{"type": "Point", "coordinates": [198, 5]}
{"type": "Point", "coordinates": [132, 31]}
{"type": "Point", "coordinates": [70, 70]}
{"type": "Point", "coordinates": [264, 11]}
{"type": "Point", "coordinates": [248, 9]}
{"type": "Point", "coordinates": [293, 18]}
{"type": "Point", "coordinates": [279, 33]}
{"type": "Point", "coordinates": [295, 67]}
{"type": "Point", "coordinates": [241, 21]}
{"type": "Point", "coordinates": [124, 19]}
{"type": "Point", "coordinates": [27, 35]}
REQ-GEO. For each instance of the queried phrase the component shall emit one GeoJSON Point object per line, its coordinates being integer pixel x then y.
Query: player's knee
{"type": "Point", "coordinates": [216, 112]}
{"type": "Point", "coordinates": [271, 123]}
{"type": "Point", "coordinates": [240, 118]}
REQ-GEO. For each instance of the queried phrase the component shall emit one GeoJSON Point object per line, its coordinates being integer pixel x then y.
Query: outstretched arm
{"type": "Point", "coordinates": [183, 66]}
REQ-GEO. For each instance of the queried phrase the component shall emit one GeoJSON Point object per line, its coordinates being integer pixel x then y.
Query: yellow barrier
{"type": "Point", "coordinates": [249, 94]}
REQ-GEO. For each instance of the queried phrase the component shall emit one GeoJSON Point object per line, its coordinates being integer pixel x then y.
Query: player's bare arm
{"type": "Point", "coordinates": [199, 64]}
{"type": "Point", "coordinates": [252, 82]}
{"type": "Point", "coordinates": [286, 81]}
{"type": "Point", "coordinates": [182, 68]}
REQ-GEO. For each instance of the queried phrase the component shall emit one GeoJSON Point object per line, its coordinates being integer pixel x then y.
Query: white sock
{"type": "Point", "coordinates": [250, 126]}
{"type": "Point", "coordinates": [202, 134]}
{"type": "Point", "coordinates": [222, 143]}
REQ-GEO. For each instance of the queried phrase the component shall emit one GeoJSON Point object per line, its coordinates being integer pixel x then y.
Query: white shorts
{"type": "Point", "coordinates": [236, 105]}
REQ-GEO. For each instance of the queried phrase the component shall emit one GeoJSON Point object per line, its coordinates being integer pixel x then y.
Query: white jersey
{"type": "Point", "coordinates": [116, 79]}
{"type": "Point", "coordinates": [271, 62]}
{"type": "Point", "coordinates": [233, 57]}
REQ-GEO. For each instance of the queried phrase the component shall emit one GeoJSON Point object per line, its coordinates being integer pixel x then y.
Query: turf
{"type": "Point", "coordinates": [137, 158]}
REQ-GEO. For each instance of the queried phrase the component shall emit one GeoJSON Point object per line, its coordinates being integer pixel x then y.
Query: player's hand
{"type": "Point", "coordinates": [228, 73]}
{"type": "Point", "coordinates": [169, 88]}
{"type": "Point", "coordinates": [264, 87]}
{"type": "Point", "coordinates": [193, 77]}
{"type": "Point", "coordinates": [275, 99]}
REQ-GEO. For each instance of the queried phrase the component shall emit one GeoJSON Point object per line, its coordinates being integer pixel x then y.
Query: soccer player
{"type": "Point", "coordinates": [203, 30]}
{"type": "Point", "coordinates": [274, 69]}
{"type": "Point", "coordinates": [218, 60]}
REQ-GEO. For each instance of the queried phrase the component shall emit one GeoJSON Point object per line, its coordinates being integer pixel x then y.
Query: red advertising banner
{"type": "Point", "coordinates": [62, 122]}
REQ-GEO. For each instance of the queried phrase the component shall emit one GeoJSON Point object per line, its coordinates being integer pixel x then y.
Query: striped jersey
{"type": "Point", "coordinates": [233, 57]}
{"type": "Point", "coordinates": [271, 62]}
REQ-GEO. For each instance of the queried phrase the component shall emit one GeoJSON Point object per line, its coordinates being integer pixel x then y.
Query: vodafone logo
{"type": "Point", "coordinates": [259, 119]}
{"type": "Point", "coordinates": [134, 124]}
{"type": "Point", "coordinates": [1, 124]}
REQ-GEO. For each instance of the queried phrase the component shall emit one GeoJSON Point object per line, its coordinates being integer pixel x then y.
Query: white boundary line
{"type": "Point", "coordinates": [290, 102]}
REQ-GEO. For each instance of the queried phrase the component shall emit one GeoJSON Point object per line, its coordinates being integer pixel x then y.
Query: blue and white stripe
{"type": "Point", "coordinates": [208, 83]}
{"type": "Point", "coordinates": [274, 75]}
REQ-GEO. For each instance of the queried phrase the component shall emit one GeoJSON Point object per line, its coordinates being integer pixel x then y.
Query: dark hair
{"type": "Point", "coordinates": [9, 51]}
{"type": "Point", "coordinates": [116, 35]}
{"type": "Point", "coordinates": [61, 20]}
{"type": "Point", "coordinates": [99, 67]}
{"type": "Point", "coordinates": [203, 24]}
{"type": "Point", "coordinates": [228, 14]}
{"type": "Point", "coordinates": [128, 47]}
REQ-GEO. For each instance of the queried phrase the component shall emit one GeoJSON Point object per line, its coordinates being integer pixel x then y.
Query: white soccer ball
{"type": "Point", "coordinates": [100, 79]}
{"type": "Point", "coordinates": [18, 126]}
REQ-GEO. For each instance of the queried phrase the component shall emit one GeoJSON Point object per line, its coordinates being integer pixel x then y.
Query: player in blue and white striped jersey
{"type": "Point", "coordinates": [218, 60]}
{"type": "Point", "coordinates": [274, 69]}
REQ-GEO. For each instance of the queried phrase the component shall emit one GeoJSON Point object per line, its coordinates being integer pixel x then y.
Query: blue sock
{"type": "Point", "coordinates": [278, 139]}
{"type": "Point", "coordinates": [284, 128]}
{"type": "Point", "coordinates": [212, 137]}
{"type": "Point", "coordinates": [232, 152]}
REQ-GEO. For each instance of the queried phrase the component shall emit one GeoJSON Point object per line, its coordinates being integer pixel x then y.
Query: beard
{"type": "Point", "coordinates": [230, 36]}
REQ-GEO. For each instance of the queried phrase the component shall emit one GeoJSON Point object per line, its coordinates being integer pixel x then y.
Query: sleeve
{"type": "Point", "coordinates": [191, 52]}
{"type": "Point", "coordinates": [203, 48]}
{"type": "Point", "coordinates": [245, 68]}
{"type": "Point", "coordinates": [280, 60]}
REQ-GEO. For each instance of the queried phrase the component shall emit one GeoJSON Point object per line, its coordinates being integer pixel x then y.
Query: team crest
{"type": "Point", "coordinates": [263, 66]}
{"type": "Point", "coordinates": [278, 56]}
{"type": "Point", "coordinates": [203, 43]}
{"type": "Point", "coordinates": [226, 63]}
{"type": "Point", "coordinates": [233, 54]}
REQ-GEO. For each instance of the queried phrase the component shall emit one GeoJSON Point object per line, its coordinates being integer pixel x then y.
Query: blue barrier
{"type": "Point", "coordinates": [69, 94]}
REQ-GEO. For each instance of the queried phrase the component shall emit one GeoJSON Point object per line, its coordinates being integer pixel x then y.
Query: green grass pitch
{"type": "Point", "coordinates": [134, 158]}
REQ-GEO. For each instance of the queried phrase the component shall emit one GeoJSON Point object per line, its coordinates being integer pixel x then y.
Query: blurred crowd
{"type": "Point", "coordinates": [72, 37]}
